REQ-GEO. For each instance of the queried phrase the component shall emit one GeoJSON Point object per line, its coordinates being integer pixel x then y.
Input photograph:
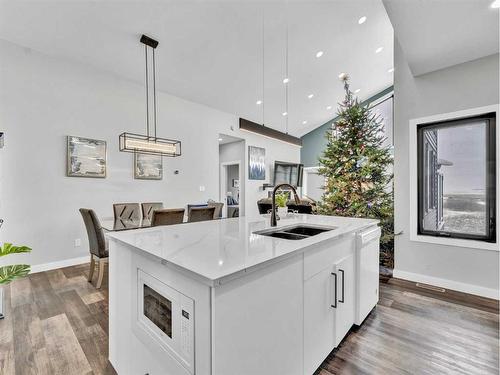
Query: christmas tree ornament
{"type": "Point", "coordinates": [357, 168]}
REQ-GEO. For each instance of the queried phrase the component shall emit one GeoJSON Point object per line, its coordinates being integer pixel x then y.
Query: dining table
{"type": "Point", "coordinates": [111, 224]}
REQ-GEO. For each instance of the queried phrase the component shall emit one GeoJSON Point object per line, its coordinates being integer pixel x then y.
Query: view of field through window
{"type": "Point", "coordinates": [455, 178]}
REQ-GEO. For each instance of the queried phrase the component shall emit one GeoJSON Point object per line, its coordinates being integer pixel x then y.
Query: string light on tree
{"type": "Point", "coordinates": [357, 166]}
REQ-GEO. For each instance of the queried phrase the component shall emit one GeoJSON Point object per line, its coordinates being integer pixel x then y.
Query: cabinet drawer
{"type": "Point", "coordinates": [322, 257]}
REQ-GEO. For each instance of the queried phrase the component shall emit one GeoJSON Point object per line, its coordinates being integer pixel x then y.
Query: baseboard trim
{"type": "Point", "coordinates": [447, 284]}
{"type": "Point", "coordinates": [59, 264]}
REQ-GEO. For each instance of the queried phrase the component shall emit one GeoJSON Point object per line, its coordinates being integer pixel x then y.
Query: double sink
{"type": "Point", "coordinates": [295, 232]}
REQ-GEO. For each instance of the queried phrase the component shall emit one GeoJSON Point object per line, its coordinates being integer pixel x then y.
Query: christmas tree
{"type": "Point", "coordinates": [358, 169]}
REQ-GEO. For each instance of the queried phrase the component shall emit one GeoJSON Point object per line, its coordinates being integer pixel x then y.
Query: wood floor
{"type": "Point", "coordinates": [57, 323]}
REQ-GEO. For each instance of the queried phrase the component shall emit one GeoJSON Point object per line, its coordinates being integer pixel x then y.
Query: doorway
{"type": "Point", "coordinates": [232, 180]}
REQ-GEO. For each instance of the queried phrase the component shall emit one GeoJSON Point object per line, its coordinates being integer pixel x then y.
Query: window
{"type": "Point", "coordinates": [384, 109]}
{"type": "Point", "coordinates": [456, 178]}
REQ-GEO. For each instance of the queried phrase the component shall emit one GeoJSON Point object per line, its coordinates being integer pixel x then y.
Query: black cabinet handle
{"type": "Point", "coordinates": [335, 289]}
{"type": "Point", "coordinates": [342, 300]}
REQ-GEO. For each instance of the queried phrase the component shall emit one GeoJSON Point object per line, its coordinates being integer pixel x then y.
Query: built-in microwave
{"type": "Point", "coordinates": [167, 316]}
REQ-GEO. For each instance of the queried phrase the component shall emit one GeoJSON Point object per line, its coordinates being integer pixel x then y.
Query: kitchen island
{"type": "Point", "coordinates": [236, 296]}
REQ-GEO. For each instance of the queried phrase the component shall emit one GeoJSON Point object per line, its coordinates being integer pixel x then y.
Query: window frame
{"type": "Point", "coordinates": [491, 177]}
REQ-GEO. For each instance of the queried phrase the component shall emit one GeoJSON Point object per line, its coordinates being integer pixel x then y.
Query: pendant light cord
{"type": "Point", "coordinates": [147, 90]}
{"type": "Point", "coordinates": [154, 90]}
{"type": "Point", "coordinates": [286, 67]}
{"type": "Point", "coordinates": [263, 68]}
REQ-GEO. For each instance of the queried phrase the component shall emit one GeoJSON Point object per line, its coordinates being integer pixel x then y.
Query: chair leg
{"type": "Point", "coordinates": [102, 263]}
{"type": "Point", "coordinates": [92, 266]}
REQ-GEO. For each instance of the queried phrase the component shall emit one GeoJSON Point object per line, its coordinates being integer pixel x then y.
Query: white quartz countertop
{"type": "Point", "coordinates": [220, 248]}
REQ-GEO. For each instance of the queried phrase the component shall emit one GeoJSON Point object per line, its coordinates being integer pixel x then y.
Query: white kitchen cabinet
{"type": "Point", "coordinates": [345, 297]}
{"type": "Point", "coordinates": [329, 297]}
{"type": "Point", "coordinates": [318, 319]}
{"type": "Point", "coordinates": [231, 298]}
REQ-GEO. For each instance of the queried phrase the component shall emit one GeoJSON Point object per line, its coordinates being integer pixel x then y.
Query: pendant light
{"type": "Point", "coordinates": [149, 143]}
{"type": "Point", "coordinates": [261, 129]}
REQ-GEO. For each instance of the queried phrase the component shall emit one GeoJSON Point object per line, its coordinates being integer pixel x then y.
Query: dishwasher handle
{"type": "Point", "coordinates": [369, 235]}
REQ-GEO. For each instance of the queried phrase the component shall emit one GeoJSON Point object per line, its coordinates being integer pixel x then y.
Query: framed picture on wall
{"type": "Point", "coordinates": [236, 183]}
{"type": "Point", "coordinates": [148, 167]}
{"type": "Point", "coordinates": [86, 157]}
{"type": "Point", "coordinates": [256, 163]}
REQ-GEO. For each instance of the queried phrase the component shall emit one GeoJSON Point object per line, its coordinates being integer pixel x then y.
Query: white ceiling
{"type": "Point", "coordinates": [211, 52]}
{"type": "Point", "coordinates": [440, 33]}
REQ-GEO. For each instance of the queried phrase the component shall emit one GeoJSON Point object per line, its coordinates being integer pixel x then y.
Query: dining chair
{"type": "Point", "coordinates": [167, 216]}
{"type": "Point", "coordinates": [98, 245]}
{"type": "Point", "coordinates": [128, 211]}
{"type": "Point", "coordinates": [201, 214]}
{"type": "Point", "coordinates": [218, 209]}
{"type": "Point", "coordinates": [148, 208]}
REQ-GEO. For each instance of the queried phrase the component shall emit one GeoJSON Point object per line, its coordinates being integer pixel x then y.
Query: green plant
{"type": "Point", "coordinates": [357, 168]}
{"type": "Point", "coordinates": [11, 272]}
{"type": "Point", "coordinates": [281, 199]}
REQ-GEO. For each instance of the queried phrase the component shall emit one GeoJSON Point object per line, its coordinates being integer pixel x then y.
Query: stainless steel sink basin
{"type": "Point", "coordinates": [307, 230]}
{"type": "Point", "coordinates": [285, 235]}
{"type": "Point", "coordinates": [295, 232]}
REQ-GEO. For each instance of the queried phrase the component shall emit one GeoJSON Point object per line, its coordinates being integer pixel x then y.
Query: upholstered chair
{"type": "Point", "coordinates": [218, 209]}
{"type": "Point", "coordinates": [98, 246]}
{"type": "Point", "coordinates": [127, 211]}
{"type": "Point", "coordinates": [167, 216]}
{"type": "Point", "coordinates": [201, 214]}
{"type": "Point", "coordinates": [148, 208]}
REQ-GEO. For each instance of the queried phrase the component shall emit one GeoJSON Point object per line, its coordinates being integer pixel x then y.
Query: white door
{"type": "Point", "coordinates": [318, 319]}
{"type": "Point", "coordinates": [344, 311]}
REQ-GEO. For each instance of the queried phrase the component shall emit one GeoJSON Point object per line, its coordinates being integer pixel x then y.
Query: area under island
{"type": "Point", "coordinates": [237, 296]}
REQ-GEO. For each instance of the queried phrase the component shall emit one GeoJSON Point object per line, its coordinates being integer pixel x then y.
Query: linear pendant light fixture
{"type": "Point", "coordinates": [149, 143]}
{"type": "Point", "coordinates": [263, 130]}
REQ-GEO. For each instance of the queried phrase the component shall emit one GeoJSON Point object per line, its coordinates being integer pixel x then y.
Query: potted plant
{"type": "Point", "coordinates": [11, 272]}
{"type": "Point", "coordinates": [281, 200]}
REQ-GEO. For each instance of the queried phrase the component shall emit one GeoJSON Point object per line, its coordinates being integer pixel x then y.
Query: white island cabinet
{"type": "Point", "coordinates": [224, 297]}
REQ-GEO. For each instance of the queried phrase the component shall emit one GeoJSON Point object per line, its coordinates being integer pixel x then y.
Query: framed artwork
{"type": "Point", "coordinates": [256, 163]}
{"type": "Point", "coordinates": [236, 183]}
{"type": "Point", "coordinates": [148, 167]}
{"type": "Point", "coordinates": [86, 157]}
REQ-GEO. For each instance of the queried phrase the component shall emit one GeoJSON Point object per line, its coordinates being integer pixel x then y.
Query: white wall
{"type": "Point", "coordinates": [464, 86]}
{"type": "Point", "coordinates": [43, 99]}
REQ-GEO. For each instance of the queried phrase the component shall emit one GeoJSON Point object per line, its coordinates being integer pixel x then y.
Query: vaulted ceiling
{"type": "Point", "coordinates": [211, 52]}
{"type": "Point", "coordinates": [436, 34]}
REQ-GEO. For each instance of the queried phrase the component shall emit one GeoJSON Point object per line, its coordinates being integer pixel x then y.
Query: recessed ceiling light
{"type": "Point", "coordinates": [304, 122]}
{"type": "Point", "coordinates": [220, 139]}
{"type": "Point", "coordinates": [362, 20]}
{"type": "Point", "coordinates": [357, 90]}
{"type": "Point", "coordinates": [310, 96]}
{"type": "Point", "coordinates": [495, 4]}
{"type": "Point", "coordinates": [390, 70]}
{"type": "Point", "coordinates": [379, 49]}
{"type": "Point", "coordinates": [258, 102]}
{"type": "Point", "coordinates": [319, 54]}
{"type": "Point", "coordinates": [342, 75]}
{"type": "Point", "coordinates": [329, 107]}
{"type": "Point", "coordinates": [285, 113]}
{"type": "Point", "coordinates": [286, 80]}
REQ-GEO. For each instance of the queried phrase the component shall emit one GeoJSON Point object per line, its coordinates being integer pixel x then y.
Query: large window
{"type": "Point", "coordinates": [456, 178]}
{"type": "Point", "coordinates": [383, 108]}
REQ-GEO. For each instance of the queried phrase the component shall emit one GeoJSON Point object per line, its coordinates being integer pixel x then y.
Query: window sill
{"type": "Point", "coordinates": [472, 244]}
